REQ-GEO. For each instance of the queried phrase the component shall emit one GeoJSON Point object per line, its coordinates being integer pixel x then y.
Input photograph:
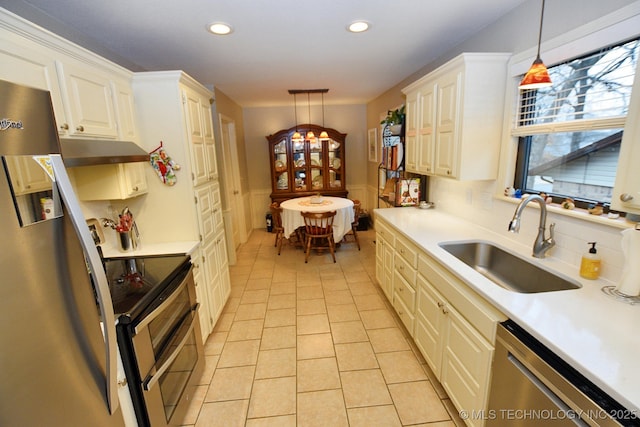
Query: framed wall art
{"type": "Point", "coordinates": [373, 144]}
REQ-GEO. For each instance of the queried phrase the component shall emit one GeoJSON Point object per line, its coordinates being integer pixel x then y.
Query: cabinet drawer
{"type": "Point", "coordinates": [404, 313]}
{"type": "Point", "coordinates": [405, 291]}
{"type": "Point", "coordinates": [385, 231]}
{"type": "Point", "coordinates": [407, 250]}
{"type": "Point", "coordinates": [480, 313]}
{"type": "Point", "coordinates": [405, 269]}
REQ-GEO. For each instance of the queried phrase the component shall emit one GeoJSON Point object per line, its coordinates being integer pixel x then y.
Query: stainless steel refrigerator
{"type": "Point", "coordinates": [57, 364]}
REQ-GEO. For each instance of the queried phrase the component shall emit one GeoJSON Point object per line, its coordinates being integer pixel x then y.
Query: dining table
{"type": "Point", "coordinates": [292, 213]}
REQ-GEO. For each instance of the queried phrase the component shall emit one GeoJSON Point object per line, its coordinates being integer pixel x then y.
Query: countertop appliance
{"type": "Point", "coordinates": [159, 334]}
{"type": "Point", "coordinates": [532, 386]}
{"type": "Point", "coordinates": [56, 367]}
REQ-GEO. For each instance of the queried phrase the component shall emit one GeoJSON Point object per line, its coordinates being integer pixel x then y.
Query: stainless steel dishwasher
{"type": "Point", "coordinates": [532, 386]}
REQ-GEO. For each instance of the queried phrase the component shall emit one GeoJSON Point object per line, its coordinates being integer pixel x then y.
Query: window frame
{"type": "Point", "coordinates": [611, 29]}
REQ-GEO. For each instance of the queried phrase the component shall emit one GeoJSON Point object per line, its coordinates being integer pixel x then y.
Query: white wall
{"type": "Point", "coordinates": [263, 121]}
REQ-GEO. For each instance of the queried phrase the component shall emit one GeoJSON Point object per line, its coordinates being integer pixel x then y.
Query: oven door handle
{"type": "Point", "coordinates": [166, 303]}
{"type": "Point", "coordinates": [152, 379]}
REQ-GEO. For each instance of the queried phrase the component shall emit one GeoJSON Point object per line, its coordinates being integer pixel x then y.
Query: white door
{"type": "Point", "coordinates": [232, 179]}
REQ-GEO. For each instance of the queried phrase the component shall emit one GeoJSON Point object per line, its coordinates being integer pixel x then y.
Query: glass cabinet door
{"type": "Point", "coordinates": [280, 166]}
{"type": "Point", "coordinates": [316, 165]}
{"type": "Point", "coordinates": [335, 164]}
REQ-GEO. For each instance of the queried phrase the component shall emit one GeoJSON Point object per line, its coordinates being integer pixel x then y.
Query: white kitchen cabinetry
{"type": "Point", "coordinates": [404, 281]}
{"type": "Point", "coordinates": [457, 116]}
{"type": "Point", "coordinates": [453, 327]}
{"type": "Point", "coordinates": [174, 110]}
{"type": "Point", "coordinates": [81, 83]}
{"type": "Point", "coordinates": [384, 258]}
{"type": "Point", "coordinates": [458, 347]}
{"type": "Point", "coordinates": [111, 182]}
{"type": "Point", "coordinates": [88, 101]}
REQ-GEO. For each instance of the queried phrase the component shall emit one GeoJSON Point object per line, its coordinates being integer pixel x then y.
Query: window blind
{"type": "Point", "coordinates": [590, 92]}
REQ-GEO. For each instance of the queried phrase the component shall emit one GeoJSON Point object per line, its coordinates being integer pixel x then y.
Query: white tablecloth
{"type": "Point", "coordinates": [292, 218]}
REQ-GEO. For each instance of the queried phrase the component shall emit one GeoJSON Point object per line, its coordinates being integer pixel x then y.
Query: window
{"type": "Point", "coordinates": [570, 133]}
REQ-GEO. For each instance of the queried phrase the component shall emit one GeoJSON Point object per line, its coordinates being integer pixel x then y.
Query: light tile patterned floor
{"type": "Point", "coordinates": [313, 344]}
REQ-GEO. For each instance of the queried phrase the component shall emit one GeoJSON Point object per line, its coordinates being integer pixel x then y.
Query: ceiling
{"type": "Point", "coordinates": [276, 44]}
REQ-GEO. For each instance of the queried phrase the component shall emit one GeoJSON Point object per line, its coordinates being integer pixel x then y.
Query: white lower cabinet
{"type": "Point", "coordinates": [384, 258]}
{"type": "Point", "coordinates": [453, 327]}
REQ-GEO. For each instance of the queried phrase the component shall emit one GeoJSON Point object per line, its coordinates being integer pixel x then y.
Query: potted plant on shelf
{"type": "Point", "coordinates": [395, 120]}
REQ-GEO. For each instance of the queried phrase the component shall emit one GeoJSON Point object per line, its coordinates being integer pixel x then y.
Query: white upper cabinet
{"type": "Point", "coordinates": [24, 62]}
{"type": "Point", "coordinates": [200, 127]}
{"type": "Point", "coordinates": [458, 114]}
{"type": "Point", "coordinates": [88, 93]}
{"type": "Point", "coordinates": [87, 97]}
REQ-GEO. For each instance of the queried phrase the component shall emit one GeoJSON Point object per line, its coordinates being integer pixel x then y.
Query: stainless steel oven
{"type": "Point", "coordinates": [159, 335]}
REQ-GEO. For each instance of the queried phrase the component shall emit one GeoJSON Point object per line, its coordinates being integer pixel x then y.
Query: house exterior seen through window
{"type": "Point", "coordinates": [570, 133]}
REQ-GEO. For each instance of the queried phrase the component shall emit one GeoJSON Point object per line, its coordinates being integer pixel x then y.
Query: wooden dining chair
{"type": "Point", "coordinates": [319, 232]}
{"type": "Point", "coordinates": [357, 207]}
{"type": "Point", "coordinates": [276, 218]}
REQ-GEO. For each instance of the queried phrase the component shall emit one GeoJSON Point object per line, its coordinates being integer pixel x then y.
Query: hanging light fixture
{"type": "Point", "coordinates": [311, 137]}
{"type": "Point", "coordinates": [296, 135]}
{"type": "Point", "coordinates": [537, 76]}
{"type": "Point", "coordinates": [324, 136]}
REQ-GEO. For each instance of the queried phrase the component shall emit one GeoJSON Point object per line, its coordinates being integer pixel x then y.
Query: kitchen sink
{"type": "Point", "coordinates": [506, 269]}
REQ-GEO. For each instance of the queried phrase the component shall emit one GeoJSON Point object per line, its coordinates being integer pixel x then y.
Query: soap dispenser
{"type": "Point", "coordinates": [590, 265]}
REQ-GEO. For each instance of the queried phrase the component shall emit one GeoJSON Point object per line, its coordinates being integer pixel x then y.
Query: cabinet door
{"type": "Point", "coordinates": [425, 138]}
{"type": "Point", "coordinates": [125, 110]}
{"type": "Point", "coordinates": [135, 179]}
{"type": "Point", "coordinates": [28, 65]}
{"type": "Point", "coordinates": [199, 278]}
{"type": "Point", "coordinates": [411, 127]}
{"type": "Point", "coordinates": [223, 287]}
{"type": "Point", "coordinates": [216, 207]}
{"type": "Point", "coordinates": [430, 323]}
{"type": "Point", "coordinates": [209, 262]}
{"type": "Point", "coordinates": [87, 95]}
{"type": "Point", "coordinates": [204, 204]}
{"type": "Point", "coordinates": [466, 365]}
{"type": "Point", "coordinates": [447, 125]}
{"type": "Point", "coordinates": [208, 139]}
{"type": "Point", "coordinates": [196, 137]}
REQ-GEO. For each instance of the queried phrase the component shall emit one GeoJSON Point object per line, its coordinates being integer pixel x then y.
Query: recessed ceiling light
{"type": "Point", "coordinates": [358, 26]}
{"type": "Point", "coordinates": [220, 28]}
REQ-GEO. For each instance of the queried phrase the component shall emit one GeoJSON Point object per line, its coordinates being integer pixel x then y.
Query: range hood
{"type": "Point", "coordinates": [91, 152]}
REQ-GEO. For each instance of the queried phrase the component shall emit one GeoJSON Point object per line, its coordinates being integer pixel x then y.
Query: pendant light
{"type": "Point", "coordinates": [296, 135]}
{"type": "Point", "coordinates": [311, 137]}
{"type": "Point", "coordinates": [537, 76]}
{"type": "Point", "coordinates": [324, 136]}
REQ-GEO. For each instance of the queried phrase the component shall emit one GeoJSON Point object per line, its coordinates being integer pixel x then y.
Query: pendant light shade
{"type": "Point", "coordinates": [538, 75]}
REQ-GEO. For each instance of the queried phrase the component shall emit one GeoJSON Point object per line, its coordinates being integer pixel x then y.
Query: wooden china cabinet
{"type": "Point", "coordinates": [304, 168]}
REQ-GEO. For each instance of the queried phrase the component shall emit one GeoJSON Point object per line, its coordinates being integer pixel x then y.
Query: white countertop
{"type": "Point", "coordinates": [145, 249]}
{"type": "Point", "coordinates": [596, 334]}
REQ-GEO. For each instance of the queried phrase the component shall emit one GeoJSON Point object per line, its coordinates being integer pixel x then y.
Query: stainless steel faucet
{"type": "Point", "coordinates": [542, 244]}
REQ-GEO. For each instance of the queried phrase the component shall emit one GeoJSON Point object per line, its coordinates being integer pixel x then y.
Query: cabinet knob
{"type": "Point", "coordinates": [64, 126]}
{"type": "Point", "coordinates": [440, 304]}
{"type": "Point", "coordinates": [445, 311]}
{"type": "Point", "coordinates": [135, 188]}
{"type": "Point", "coordinates": [80, 128]}
{"type": "Point", "coordinates": [625, 197]}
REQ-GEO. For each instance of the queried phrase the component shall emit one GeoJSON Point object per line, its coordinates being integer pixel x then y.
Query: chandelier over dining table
{"type": "Point", "coordinates": [309, 136]}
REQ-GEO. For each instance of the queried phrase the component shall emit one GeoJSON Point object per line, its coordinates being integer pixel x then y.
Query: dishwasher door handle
{"type": "Point", "coordinates": [566, 409]}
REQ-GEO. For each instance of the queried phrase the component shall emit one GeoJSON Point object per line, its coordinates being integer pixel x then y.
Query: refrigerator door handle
{"type": "Point", "coordinates": [95, 265]}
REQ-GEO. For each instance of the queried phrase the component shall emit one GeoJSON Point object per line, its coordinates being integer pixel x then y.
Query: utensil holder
{"type": "Point", "coordinates": [125, 241]}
